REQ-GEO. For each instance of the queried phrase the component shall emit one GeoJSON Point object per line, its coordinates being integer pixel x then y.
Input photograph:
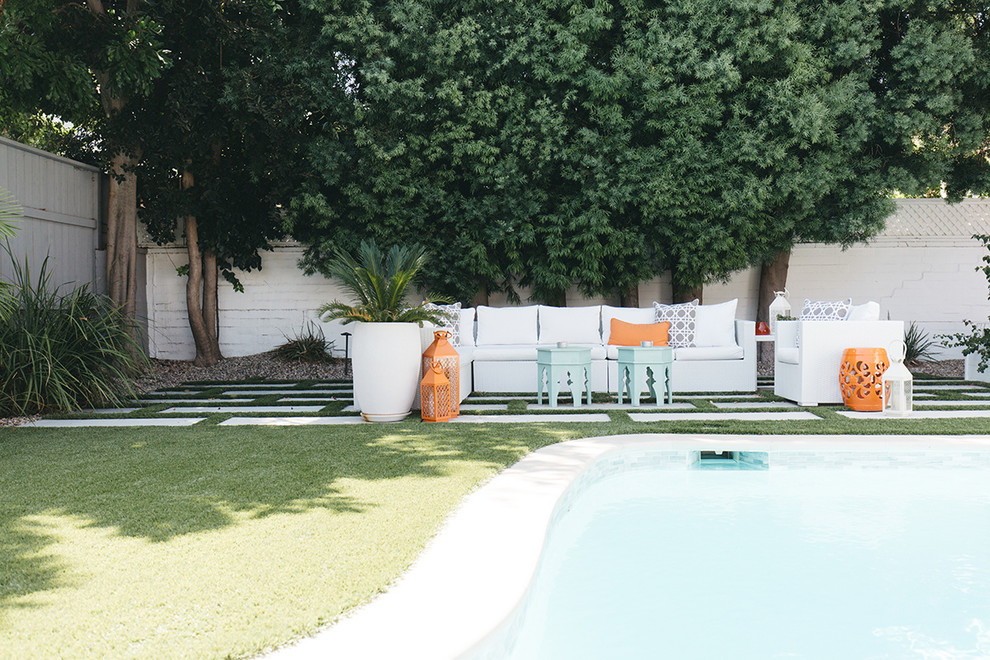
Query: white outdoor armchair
{"type": "Point", "coordinates": [807, 355]}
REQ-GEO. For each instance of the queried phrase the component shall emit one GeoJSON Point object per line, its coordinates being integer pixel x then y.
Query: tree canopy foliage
{"type": "Point", "coordinates": [532, 143]}
{"type": "Point", "coordinates": [548, 143]}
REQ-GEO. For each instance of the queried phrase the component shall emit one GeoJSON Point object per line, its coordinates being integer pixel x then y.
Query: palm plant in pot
{"type": "Point", "coordinates": [386, 356]}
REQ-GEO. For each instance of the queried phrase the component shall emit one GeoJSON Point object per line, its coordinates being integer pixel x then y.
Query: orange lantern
{"type": "Point", "coordinates": [442, 353]}
{"type": "Point", "coordinates": [434, 395]}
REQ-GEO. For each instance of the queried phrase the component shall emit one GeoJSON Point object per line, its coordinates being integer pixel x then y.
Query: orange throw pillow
{"type": "Point", "coordinates": [631, 334]}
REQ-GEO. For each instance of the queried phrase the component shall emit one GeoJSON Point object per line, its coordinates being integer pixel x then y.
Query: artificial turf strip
{"type": "Point", "coordinates": [211, 542]}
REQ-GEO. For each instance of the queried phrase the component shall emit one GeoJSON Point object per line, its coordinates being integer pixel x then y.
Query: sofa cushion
{"type": "Point", "coordinates": [505, 352]}
{"type": "Point", "coordinates": [699, 353]}
{"type": "Point", "coordinates": [507, 325]}
{"type": "Point", "coordinates": [575, 325]}
{"type": "Point", "coordinates": [868, 311]}
{"type": "Point", "coordinates": [632, 334]}
{"type": "Point", "coordinates": [682, 321]}
{"type": "Point", "coordinates": [522, 353]}
{"type": "Point", "coordinates": [715, 325]}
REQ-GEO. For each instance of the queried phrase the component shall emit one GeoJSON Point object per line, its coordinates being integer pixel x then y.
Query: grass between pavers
{"type": "Point", "coordinates": [213, 542]}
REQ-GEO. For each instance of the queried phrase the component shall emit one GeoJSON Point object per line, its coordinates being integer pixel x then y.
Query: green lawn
{"type": "Point", "coordinates": [213, 541]}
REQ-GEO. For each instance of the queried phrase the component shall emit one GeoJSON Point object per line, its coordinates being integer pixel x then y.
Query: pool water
{"type": "Point", "coordinates": [830, 564]}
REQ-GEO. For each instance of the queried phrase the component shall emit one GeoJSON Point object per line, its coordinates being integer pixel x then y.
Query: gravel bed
{"type": "Point", "coordinates": [169, 373]}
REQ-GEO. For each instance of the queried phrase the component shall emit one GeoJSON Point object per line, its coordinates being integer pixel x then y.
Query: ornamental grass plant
{"type": "Point", "coordinates": [61, 351]}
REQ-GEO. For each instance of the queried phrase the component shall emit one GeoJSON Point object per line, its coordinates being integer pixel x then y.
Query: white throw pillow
{"type": "Point", "coordinates": [640, 315]}
{"type": "Point", "coordinates": [507, 325]}
{"type": "Point", "coordinates": [577, 325]}
{"type": "Point", "coordinates": [868, 311]}
{"type": "Point", "coordinates": [716, 324]}
{"type": "Point", "coordinates": [682, 321]}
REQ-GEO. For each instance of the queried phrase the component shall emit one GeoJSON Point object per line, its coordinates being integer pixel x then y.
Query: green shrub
{"type": "Point", "coordinates": [309, 346]}
{"type": "Point", "coordinates": [62, 352]}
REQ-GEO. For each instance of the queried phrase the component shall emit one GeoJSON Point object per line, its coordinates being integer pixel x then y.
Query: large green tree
{"type": "Point", "coordinates": [219, 133]}
{"type": "Point", "coordinates": [550, 143]}
{"type": "Point", "coordinates": [87, 62]}
{"type": "Point", "coordinates": [193, 100]}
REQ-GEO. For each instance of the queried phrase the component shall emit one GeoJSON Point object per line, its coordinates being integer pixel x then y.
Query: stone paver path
{"type": "Point", "coordinates": [302, 403]}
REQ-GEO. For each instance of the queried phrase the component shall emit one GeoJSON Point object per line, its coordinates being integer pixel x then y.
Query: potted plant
{"type": "Point", "coordinates": [386, 357]}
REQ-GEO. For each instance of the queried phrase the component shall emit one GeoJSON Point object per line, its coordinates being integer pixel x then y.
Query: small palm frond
{"type": "Point", "coordinates": [9, 209]}
{"type": "Point", "coordinates": [378, 283]}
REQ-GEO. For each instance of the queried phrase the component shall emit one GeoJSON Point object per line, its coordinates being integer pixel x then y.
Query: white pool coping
{"type": "Point", "coordinates": [477, 569]}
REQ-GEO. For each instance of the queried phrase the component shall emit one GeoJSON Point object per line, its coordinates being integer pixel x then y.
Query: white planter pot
{"type": "Point", "coordinates": [386, 364]}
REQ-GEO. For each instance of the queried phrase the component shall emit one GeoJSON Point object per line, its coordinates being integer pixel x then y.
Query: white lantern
{"type": "Point", "coordinates": [779, 307]}
{"type": "Point", "coordinates": [897, 384]}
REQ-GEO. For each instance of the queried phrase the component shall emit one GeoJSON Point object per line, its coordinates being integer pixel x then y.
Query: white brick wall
{"type": "Point", "coordinates": [931, 280]}
{"type": "Point", "coordinates": [277, 303]}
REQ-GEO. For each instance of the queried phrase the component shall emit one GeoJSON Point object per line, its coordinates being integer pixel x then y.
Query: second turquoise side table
{"type": "Point", "coordinates": [640, 367]}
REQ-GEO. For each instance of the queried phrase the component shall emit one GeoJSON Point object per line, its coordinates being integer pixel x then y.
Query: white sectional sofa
{"type": "Point", "coordinates": [506, 338]}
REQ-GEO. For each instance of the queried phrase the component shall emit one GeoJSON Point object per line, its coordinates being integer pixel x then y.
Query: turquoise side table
{"type": "Point", "coordinates": [645, 365]}
{"type": "Point", "coordinates": [554, 364]}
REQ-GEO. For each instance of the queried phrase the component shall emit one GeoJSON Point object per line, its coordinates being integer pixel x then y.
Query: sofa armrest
{"type": "Point", "coordinates": [746, 336]}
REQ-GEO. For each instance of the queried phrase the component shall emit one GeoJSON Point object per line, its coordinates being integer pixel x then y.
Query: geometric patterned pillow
{"type": "Point", "coordinates": [825, 310]}
{"type": "Point", "coordinates": [453, 323]}
{"type": "Point", "coordinates": [682, 322]}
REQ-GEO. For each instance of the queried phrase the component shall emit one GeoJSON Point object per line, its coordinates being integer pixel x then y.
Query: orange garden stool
{"type": "Point", "coordinates": [861, 378]}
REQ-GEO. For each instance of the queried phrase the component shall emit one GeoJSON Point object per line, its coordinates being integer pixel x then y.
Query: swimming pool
{"type": "Point", "coordinates": [470, 592]}
{"type": "Point", "coordinates": [802, 563]}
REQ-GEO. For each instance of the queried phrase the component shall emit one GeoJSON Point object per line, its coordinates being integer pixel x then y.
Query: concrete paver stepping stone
{"type": "Point", "coordinates": [257, 393]}
{"type": "Point", "coordinates": [127, 421]}
{"type": "Point", "coordinates": [920, 414]}
{"type": "Point", "coordinates": [754, 404]}
{"type": "Point", "coordinates": [484, 406]}
{"type": "Point", "coordinates": [311, 399]}
{"type": "Point", "coordinates": [151, 402]}
{"type": "Point", "coordinates": [290, 421]}
{"type": "Point", "coordinates": [784, 415]}
{"type": "Point", "coordinates": [978, 395]}
{"type": "Point", "coordinates": [109, 411]}
{"type": "Point", "coordinates": [683, 405]}
{"type": "Point", "coordinates": [924, 386]}
{"type": "Point", "coordinates": [240, 409]}
{"type": "Point", "coordinates": [943, 403]}
{"type": "Point", "coordinates": [512, 419]}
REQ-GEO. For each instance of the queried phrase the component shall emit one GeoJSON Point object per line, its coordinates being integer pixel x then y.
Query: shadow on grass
{"type": "Point", "coordinates": [159, 483]}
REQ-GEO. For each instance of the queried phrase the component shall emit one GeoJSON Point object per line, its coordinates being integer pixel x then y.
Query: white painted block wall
{"type": "Point", "coordinates": [929, 278]}
{"type": "Point", "coordinates": [277, 303]}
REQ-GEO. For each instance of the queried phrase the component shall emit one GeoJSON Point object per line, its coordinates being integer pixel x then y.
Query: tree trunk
{"type": "Point", "coordinates": [480, 298]}
{"type": "Point", "coordinates": [199, 295]}
{"type": "Point", "coordinates": [122, 235]}
{"type": "Point", "coordinates": [773, 277]}
{"type": "Point", "coordinates": [683, 293]}
{"type": "Point", "coordinates": [629, 297]}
